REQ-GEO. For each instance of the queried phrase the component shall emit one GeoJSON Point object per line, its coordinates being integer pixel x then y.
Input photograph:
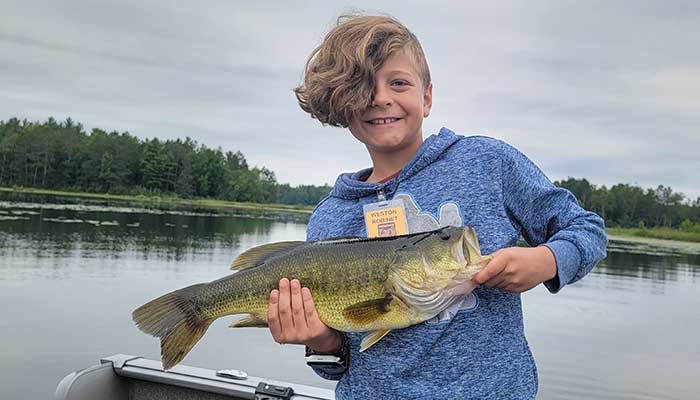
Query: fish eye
{"type": "Point", "coordinates": [444, 235]}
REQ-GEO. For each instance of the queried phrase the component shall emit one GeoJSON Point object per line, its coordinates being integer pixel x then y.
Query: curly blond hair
{"type": "Point", "coordinates": [339, 74]}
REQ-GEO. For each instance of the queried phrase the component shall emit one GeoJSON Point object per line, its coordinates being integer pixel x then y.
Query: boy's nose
{"type": "Point", "coordinates": [380, 99]}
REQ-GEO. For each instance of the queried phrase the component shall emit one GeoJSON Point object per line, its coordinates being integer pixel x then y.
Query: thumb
{"type": "Point", "coordinates": [493, 268]}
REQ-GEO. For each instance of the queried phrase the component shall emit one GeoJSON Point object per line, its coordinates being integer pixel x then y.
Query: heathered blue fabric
{"type": "Point", "coordinates": [482, 352]}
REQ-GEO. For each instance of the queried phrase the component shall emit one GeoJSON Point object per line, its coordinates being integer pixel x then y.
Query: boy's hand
{"type": "Point", "coordinates": [518, 269]}
{"type": "Point", "coordinates": [292, 318]}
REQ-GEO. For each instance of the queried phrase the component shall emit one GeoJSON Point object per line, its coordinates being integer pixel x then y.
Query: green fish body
{"type": "Point", "coordinates": [358, 285]}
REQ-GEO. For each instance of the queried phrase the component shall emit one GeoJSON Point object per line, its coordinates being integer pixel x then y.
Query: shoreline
{"type": "Point", "coordinates": [167, 202]}
{"type": "Point", "coordinates": [163, 200]}
{"type": "Point", "coordinates": [654, 233]}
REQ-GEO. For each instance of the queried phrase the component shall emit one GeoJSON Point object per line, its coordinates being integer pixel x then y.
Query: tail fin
{"type": "Point", "coordinates": [176, 320]}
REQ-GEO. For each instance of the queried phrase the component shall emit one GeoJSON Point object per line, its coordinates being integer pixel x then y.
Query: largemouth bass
{"type": "Point", "coordinates": [358, 285]}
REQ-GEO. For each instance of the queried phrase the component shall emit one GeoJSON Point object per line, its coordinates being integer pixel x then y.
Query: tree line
{"type": "Point", "coordinates": [629, 206]}
{"type": "Point", "coordinates": [61, 155]}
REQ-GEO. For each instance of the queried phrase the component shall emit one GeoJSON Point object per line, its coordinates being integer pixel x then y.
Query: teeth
{"type": "Point", "coordinates": [383, 121]}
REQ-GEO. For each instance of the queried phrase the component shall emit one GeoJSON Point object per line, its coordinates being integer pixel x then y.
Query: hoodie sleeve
{"type": "Point", "coordinates": [549, 215]}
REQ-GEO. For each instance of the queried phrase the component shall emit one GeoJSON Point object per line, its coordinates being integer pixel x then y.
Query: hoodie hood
{"type": "Point", "coordinates": [349, 187]}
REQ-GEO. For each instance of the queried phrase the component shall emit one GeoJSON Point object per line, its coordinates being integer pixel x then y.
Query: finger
{"type": "Point", "coordinates": [312, 319]}
{"type": "Point", "coordinates": [273, 315]}
{"type": "Point", "coordinates": [297, 305]}
{"type": "Point", "coordinates": [285, 307]}
{"type": "Point", "coordinates": [492, 269]}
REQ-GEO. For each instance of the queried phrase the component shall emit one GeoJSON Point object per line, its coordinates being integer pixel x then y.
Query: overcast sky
{"type": "Point", "coordinates": [605, 90]}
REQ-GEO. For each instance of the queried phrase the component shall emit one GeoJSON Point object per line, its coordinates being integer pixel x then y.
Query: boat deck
{"type": "Point", "coordinates": [124, 377]}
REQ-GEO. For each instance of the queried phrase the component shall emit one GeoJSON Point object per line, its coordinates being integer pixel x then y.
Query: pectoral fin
{"type": "Point", "coordinates": [249, 321]}
{"type": "Point", "coordinates": [368, 311]}
{"type": "Point", "coordinates": [372, 338]}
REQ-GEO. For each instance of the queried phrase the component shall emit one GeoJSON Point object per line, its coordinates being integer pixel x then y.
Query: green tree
{"type": "Point", "coordinates": [62, 155]}
{"type": "Point", "coordinates": [107, 176]}
{"type": "Point", "coordinates": [581, 188]}
{"type": "Point", "coordinates": [158, 167]}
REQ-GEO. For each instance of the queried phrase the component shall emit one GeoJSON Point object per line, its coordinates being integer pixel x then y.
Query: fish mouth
{"type": "Point", "coordinates": [460, 250]}
{"type": "Point", "coordinates": [462, 254]}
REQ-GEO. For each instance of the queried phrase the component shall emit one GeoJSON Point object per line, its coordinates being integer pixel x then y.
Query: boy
{"type": "Point", "coordinates": [370, 75]}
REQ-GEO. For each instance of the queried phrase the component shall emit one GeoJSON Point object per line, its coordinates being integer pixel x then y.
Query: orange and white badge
{"type": "Point", "coordinates": [385, 218]}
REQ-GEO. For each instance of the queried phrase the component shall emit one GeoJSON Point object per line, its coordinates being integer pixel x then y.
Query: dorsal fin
{"type": "Point", "coordinates": [257, 255]}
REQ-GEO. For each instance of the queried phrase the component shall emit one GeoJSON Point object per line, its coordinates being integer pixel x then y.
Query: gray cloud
{"type": "Point", "coordinates": [602, 90]}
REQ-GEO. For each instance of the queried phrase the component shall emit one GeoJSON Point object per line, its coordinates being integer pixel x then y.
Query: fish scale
{"type": "Point", "coordinates": [343, 280]}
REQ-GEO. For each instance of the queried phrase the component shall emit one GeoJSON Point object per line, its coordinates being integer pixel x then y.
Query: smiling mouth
{"type": "Point", "coordinates": [382, 121]}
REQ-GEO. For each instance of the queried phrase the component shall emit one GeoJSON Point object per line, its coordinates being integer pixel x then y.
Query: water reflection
{"type": "Point", "coordinates": [62, 233]}
{"type": "Point", "coordinates": [74, 273]}
{"type": "Point", "coordinates": [655, 262]}
{"type": "Point", "coordinates": [30, 202]}
{"type": "Point", "coordinates": [647, 267]}
{"type": "Point", "coordinates": [68, 231]}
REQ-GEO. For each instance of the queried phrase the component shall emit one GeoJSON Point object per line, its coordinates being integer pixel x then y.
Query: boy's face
{"type": "Point", "coordinates": [393, 121]}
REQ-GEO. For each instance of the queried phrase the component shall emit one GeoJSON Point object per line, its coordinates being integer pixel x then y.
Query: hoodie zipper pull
{"type": "Point", "coordinates": [380, 193]}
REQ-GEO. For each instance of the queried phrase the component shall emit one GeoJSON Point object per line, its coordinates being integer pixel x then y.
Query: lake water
{"type": "Point", "coordinates": [71, 275]}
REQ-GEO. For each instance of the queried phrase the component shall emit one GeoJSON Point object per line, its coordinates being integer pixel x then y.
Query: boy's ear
{"type": "Point", "coordinates": [427, 100]}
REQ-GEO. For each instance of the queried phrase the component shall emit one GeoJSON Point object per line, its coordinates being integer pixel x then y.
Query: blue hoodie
{"type": "Point", "coordinates": [475, 349]}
